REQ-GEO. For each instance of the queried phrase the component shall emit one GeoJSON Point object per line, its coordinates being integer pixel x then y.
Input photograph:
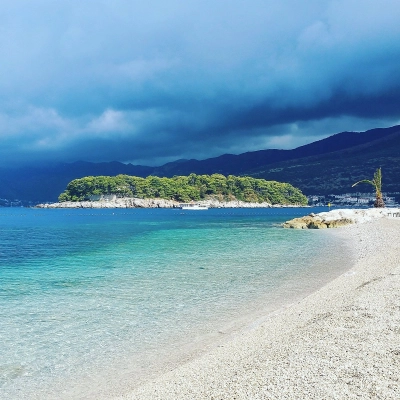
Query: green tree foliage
{"type": "Point", "coordinates": [185, 188]}
{"type": "Point", "coordinates": [376, 182]}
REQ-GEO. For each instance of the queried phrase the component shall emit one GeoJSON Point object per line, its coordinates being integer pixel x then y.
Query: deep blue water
{"type": "Point", "coordinates": [99, 295]}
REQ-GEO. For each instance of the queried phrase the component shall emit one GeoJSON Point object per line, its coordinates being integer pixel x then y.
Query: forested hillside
{"type": "Point", "coordinates": [185, 188]}
{"type": "Point", "coordinates": [335, 172]}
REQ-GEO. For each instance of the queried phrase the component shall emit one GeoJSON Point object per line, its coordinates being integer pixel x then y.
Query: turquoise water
{"type": "Point", "coordinates": [91, 301]}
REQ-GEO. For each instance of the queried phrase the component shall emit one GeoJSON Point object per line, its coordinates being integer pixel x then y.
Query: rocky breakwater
{"type": "Point", "coordinates": [341, 217]}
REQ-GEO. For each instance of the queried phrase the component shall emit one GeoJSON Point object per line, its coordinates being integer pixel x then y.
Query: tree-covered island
{"type": "Point", "coordinates": [184, 189]}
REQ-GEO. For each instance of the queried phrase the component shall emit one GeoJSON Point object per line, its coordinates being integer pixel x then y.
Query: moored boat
{"type": "Point", "coordinates": [192, 206]}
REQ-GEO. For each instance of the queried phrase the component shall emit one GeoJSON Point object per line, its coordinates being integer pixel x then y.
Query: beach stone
{"type": "Point", "coordinates": [339, 222]}
{"type": "Point", "coordinates": [307, 222]}
{"type": "Point", "coordinates": [316, 224]}
{"type": "Point", "coordinates": [296, 223]}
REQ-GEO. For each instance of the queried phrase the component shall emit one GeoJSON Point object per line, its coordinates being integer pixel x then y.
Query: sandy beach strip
{"type": "Point", "coordinates": [341, 342]}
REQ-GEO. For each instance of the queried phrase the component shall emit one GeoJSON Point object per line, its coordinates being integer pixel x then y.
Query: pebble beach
{"type": "Point", "coordinates": [340, 342]}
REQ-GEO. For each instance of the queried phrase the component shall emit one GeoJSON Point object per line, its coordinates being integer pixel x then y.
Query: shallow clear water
{"type": "Point", "coordinates": [100, 298]}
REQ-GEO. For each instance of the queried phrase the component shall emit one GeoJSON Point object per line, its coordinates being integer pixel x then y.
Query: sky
{"type": "Point", "coordinates": [151, 82]}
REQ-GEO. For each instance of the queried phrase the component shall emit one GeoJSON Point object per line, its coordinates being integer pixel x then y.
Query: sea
{"type": "Point", "coordinates": [93, 302]}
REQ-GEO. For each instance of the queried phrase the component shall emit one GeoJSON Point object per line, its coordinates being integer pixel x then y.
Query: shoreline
{"type": "Point", "coordinates": [341, 341]}
{"type": "Point", "coordinates": [160, 203]}
{"type": "Point", "coordinates": [341, 217]}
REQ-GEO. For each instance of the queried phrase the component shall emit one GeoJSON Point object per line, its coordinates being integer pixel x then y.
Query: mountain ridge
{"type": "Point", "coordinates": [335, 172]}
{"type": "Point", "coordinates": [367, 149]}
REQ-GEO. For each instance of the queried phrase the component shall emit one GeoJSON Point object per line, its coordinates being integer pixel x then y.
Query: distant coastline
{"type": "Point", "coordinates": [158, 203]}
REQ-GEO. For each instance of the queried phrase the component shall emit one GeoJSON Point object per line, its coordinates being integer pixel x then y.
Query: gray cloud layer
{"type": "Point", "coordinates": [148, 83]}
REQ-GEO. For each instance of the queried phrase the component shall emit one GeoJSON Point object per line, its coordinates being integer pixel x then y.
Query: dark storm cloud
{"type": "Point", "coordinates": [154, 82]}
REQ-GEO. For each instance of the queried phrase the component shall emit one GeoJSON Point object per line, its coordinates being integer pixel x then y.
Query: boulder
{"type": "Point", "coordinates": [316, 222]}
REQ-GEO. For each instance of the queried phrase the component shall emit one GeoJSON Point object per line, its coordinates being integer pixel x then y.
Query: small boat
{"type": "Point", "coordinates": [192, 206]}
